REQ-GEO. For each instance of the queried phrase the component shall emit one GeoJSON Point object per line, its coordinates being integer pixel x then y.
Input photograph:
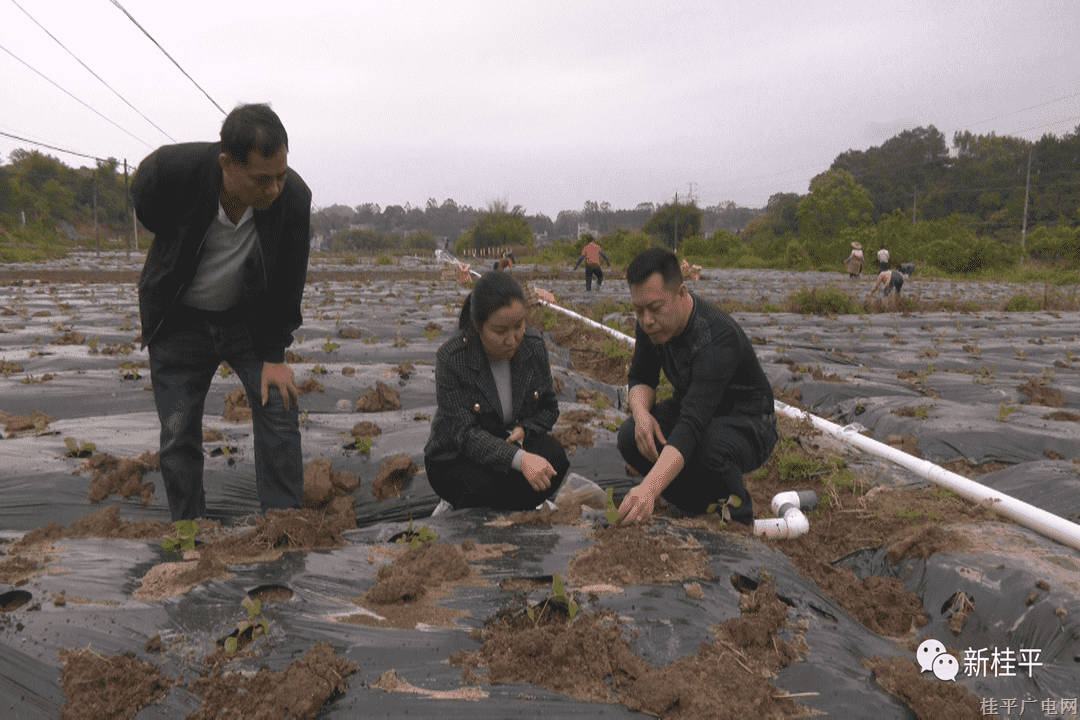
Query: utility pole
{"type": "Point", "coordinates": [127, 206]}
{"type": "Point", "coordinates": [1027, 191]}
{"type": "Point", "coordinates": [676, 241]}
{"type": "Point", "coordinates": [97, 235]}
{"type": "Point", "coordinates": [914, 205]}
{"type": "Point", "coordinates": [134, 220]}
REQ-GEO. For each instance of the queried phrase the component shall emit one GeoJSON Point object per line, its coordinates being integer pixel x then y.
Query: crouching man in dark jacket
{"type": "Point", "coordinates": [223, 280]}
{"type": "Point", "coordinates": [719, 424]}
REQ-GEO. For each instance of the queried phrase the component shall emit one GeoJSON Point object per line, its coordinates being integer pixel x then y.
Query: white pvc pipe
{"type": "Point", "coordinates": [599, 326]}
{"type": "Point", "coordinates": [1037, 519]}
{"type": "Point", "coordinates": [789, 521]}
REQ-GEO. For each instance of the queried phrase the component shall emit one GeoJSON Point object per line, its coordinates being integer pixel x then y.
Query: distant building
{"type": "Point", "coordinates": [543, 239]}
{"type": "Point", "coordinates": [583, 229]}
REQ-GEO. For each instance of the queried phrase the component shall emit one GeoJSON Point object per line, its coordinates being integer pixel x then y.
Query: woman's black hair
{"type": "Point", "coordinates": [494, 290]}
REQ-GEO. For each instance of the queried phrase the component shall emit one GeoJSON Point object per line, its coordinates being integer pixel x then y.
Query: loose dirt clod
{"type": "Point", "coordinates": [365, 429]}
{"type": "Point", "coordinates": [928, 698]}
{"type": "Point", "coordinates": [122, 476]}
{"type": "Point", "coordinates": [393, 474]}
{"type": "Point", "coordinates": [108, 687]}
{"type": "Point", "coordinates": [379, 399]}
{"type": "Point", "coordinates": [300, 691]}
{"type": "Point", "coordinates": [237, 408]}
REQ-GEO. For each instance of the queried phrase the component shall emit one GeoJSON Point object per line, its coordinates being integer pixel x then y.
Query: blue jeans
{"type": "Point", "coordinates": [183, 361]}
{"type": "Point", "coordinates": [731, 446]}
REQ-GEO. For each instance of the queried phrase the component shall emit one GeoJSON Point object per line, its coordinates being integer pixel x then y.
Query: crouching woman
{"type": "Point", "coordinates": [490, 443]}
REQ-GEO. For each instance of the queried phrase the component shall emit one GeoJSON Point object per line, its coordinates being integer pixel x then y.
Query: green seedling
{"type": "Point", "coordinates": [415, 538]}
{"type": "Point", "coordinates": [400, 341]}
{"type": "Point", "coordinates": [612, 512]}
{"type": "Point", "coordinates": [733, 501]}
{"type": "Point", "coordinates": [186, 530]}
{"type": "Point", "coordinates": [129, 371]}
{"type": "Point", "coordinates": [257, 624]}
{"type": "Point", "coordinates": [371, 340]}
{"type": "Point", "coordinates": [93, 345]}
{"type": "Point", "coordinates": [614, 425]}
{"type": "Point", "coordinates": [422, 417]}
{"type": "Point", "coordinates": [76, 449]}
{"type": "Point", "coordinates": [318, 369]}
{"type": "Point", "coordinates": [558, 594]}
{"type": "Point", "coordinates": [330, 346]}
{"type": "Point", "coordinates": [224, 371]}
{"type": "Point", "coordinates": [362, 443]}
{"type": "Point", "coordinates": [432, 334]}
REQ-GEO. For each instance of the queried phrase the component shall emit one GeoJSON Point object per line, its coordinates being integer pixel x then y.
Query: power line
{"type": "Point", "coordinates": [1014, 112]}
{"type": "Point", "coordinates": [92, 72]}
{"type": "Point", "coordinates": [73, 97]}
{"type": "Point", "coordinates": [132, 19]}
{"type": "Point", "coordinates": [52, 147]}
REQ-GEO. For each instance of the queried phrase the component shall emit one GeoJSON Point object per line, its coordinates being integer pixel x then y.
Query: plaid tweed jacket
{"type": "Point", "coordinates": [468, 421]}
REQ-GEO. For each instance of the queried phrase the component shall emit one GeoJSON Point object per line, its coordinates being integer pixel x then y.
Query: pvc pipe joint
{"type": "Point", "coordinates": [790, 522]}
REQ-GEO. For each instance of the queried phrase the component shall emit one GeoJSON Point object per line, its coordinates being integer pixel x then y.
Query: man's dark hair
{"type": "Point", "coordinates": [252, 127]}
{"type": "Point", "coordinates": [493, 290]}
{"type": "Point", "coordinates": [655, 260]}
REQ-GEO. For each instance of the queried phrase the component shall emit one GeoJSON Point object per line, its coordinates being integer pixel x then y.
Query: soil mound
{"type": "Point", "coordinates": [380, 398]}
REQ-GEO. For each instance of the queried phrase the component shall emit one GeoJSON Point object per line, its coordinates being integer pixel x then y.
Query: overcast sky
{"type": "Point", "coordinates": [543, 104]}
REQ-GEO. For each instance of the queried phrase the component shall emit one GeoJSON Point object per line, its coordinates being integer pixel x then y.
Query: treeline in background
{"type": "Point", "coordinates": [980, 206]}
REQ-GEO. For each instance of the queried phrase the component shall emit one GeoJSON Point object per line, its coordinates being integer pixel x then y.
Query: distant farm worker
{"type": "Point", "coordinates": [591, 254]}
{"type": "Point", "coordinates": [883, 258]}
{"type": "Point", "coordinates": [490, 443]}
{"type": "Point", "coordinates": [855, 261]}
{"type": "Point", "coordinates": [223, 280]}
{"type": "Point", "coordinates": [505, 262]}
{"type": "Point", "coordinates": [891, 279]}
{"type": "Point", "coordinates": [719, 423]}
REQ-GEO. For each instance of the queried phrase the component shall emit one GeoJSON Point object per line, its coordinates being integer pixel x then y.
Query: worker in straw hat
{"type": "Point", "coordinates": [855, 261]}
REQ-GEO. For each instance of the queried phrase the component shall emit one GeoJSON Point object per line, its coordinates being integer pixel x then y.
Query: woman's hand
{"type": "Point", "coordinates": [517, 436]}
{"type": "Point", "coordinates": [537, 471]}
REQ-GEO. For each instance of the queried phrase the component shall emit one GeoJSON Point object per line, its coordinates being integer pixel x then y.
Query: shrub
{"type": "Point", "coordinates": [624, 246]}
{"type": "Point", "coordinates": [821, 301]}
{"type": "Point", "coordinates": [1057, 245]}
{"type": "Point", "coordinates": [1021, 303]}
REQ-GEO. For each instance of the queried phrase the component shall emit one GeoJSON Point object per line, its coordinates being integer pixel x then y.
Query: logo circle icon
{"type": "Point", "coordinates": [929, 650]}
{"type": "Point", "coordinates": [946, 667]}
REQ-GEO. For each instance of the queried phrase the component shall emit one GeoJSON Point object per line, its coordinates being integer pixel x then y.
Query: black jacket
{"type": "Point", "coordinates": [469, 419]}
{"type": "Point", "coordinates": [176, 191]}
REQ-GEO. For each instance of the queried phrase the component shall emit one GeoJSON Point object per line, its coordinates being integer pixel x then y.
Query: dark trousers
{"type": "Point", "coordinates": [589, 272]}
{"type": "Point", "coordinates": [464, 483]}
{"type": "Point", "coordinates": [730, 447]}
{"type": "Point", "coordinates": [182, 364]}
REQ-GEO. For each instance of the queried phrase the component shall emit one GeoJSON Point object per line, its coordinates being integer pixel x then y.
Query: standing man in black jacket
{"type": "Point", "coordinates": [719, 423]}
{"type": "Point", "coordinates": [223, 280]}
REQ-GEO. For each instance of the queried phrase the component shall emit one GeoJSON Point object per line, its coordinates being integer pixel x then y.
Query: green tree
{"type": "Point", "coordinates": [674, 222]}
{"type": "Point", "coordinates": [836, 201]}
{"type": "Point", "coordinates": [498, 228]}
